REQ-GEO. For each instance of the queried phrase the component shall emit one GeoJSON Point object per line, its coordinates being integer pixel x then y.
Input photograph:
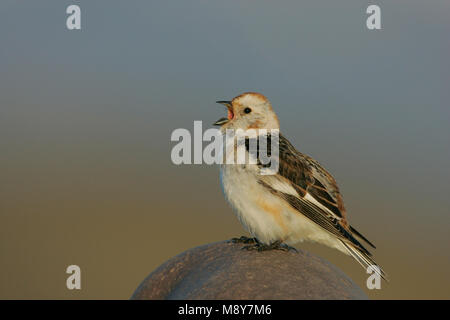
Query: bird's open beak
{"type": "Point", "coordinates": [222, 121]}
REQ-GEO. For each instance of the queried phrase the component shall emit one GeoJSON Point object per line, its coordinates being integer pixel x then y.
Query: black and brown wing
{"type": "Point", "coordinates": [307, 176]}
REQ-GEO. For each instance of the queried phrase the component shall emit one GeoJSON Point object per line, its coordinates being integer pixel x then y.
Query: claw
{"type": "Point", "coordinates": [277, 245]}
{"type": "Point", "coordinates": [244, 239]}
{"type": "Point", "coordinates": [287, 248]}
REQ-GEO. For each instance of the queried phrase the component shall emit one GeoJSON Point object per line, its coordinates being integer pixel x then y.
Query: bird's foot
{"type": "Point", "coordinates": [244, 239]}
{"type": "Point", "coordinates": [277, 245]}
{"type": "Point", "coordinates": [285, 247]}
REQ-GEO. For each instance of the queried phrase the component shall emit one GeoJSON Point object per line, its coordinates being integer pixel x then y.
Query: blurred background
{"type": "Point", "coordinates": [86, 117]}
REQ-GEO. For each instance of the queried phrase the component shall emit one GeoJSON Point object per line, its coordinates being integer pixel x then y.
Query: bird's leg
{"type": "Point", "coordinates": [244, 239]}
{"type": "Point", "coordinates": [277, 245]}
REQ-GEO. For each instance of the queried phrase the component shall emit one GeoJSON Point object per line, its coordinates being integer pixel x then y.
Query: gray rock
{"type": "Point", "coordinates": [223, 271]}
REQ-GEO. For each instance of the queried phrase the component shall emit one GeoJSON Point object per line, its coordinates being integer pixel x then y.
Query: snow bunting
{"type": "Point", "coordinates": [301, 201]}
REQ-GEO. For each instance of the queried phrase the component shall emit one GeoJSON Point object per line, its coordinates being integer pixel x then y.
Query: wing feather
{"type": "Point", "coordinates": [308, 178]}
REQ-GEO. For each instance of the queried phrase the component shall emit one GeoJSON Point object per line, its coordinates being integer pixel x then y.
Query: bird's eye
{"type": "Point", "coordinates": [247, 110]}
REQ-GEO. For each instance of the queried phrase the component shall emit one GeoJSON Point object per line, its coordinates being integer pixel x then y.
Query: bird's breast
{"type": "Point", "coordinates": [260, 212]}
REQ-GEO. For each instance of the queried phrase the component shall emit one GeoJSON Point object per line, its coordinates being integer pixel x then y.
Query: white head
{"type": "Point", "coordinates": [249, 110]}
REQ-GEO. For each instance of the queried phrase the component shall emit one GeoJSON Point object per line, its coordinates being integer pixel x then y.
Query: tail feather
{"type": "Point", "coordinates": [362, 237]}
{"type": "Point", "coordinates": [364, 260]}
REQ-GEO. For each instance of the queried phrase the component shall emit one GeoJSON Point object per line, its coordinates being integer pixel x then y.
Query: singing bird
{"type": "Point", "coordinates": [301, 201]}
